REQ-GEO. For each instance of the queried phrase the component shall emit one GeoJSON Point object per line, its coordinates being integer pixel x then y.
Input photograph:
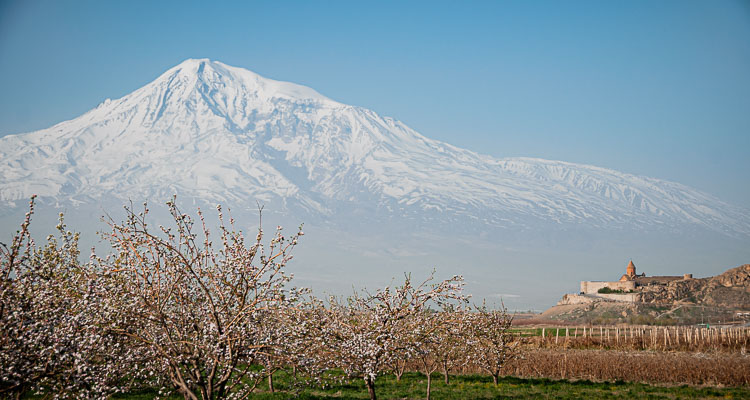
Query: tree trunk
{"type": "Point", "coordinates": [445, 374]}
{"type": "Point", "coordinates": [179, 383]}
{"type": "Point", "coordinates": [270, 382]}
{"type": "Point", "coordinates": [429, 384]}
{"type": "Point", "coordinates": [371, 387]}
{"type": "Point", "coordinates": [188, 395]}
{"type": "Point", "coordinates": [399, 370]}
{"type": "Point", "coordinates": [494, 378]}
{"type": "Point", "coordinates": [205, 393]}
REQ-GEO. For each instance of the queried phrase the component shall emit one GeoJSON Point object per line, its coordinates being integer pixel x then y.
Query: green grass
{"type": "Point", "coordinates": [412, 386]}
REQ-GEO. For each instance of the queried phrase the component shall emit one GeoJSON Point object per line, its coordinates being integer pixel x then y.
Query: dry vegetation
{"type": "Point", "coordinates": [671, 355]}
{"type": "Point", "coordinates": [634, 366]}
{"type": "Point", "coordinates": [660, 355]}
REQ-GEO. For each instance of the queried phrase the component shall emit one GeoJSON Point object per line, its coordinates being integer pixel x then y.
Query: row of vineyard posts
{"type": "Point", "coordinates": [687, 338]}
{"type": "Point", "coordinates": [211, 315]}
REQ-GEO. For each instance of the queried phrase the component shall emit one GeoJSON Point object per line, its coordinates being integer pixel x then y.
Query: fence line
{"type": "Point", "coordinates": [646, 337]}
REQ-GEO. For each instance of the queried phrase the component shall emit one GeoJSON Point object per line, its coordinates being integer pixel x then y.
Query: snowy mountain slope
{"type": "Point", "coordinates": [225, 134]}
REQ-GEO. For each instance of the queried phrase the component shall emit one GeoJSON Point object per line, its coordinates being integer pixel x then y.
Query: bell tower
{"type": "Point", "coordinates": [630, 271]}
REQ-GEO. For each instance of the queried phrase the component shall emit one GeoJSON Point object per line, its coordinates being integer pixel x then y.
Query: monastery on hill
{"type": "Point", "coordinates": [630, 273]}
{"type": "Point", "coordinates": [626, 289]}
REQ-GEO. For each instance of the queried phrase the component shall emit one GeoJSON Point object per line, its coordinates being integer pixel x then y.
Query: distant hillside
{"type": "Point", "coordinates": [716, 299]}
{"type": "Point", "coordinates": [730, 289]}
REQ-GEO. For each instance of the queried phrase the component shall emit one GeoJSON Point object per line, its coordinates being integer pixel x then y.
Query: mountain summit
{"type": "Point", "coordinates": [218, 133]}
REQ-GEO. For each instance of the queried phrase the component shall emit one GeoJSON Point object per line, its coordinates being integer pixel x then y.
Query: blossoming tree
{"type": "Point", "coordinates": [368, 331]}
{"type": "Point", "coordinates": [491, 342]}
{"type": "Point", "coordinates": [192, 306]}
{"type": "Point", "coordinates": [50, 339]}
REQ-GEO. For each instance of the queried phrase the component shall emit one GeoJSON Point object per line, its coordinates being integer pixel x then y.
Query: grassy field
{"type": "Point", "coordinates": [412, 386]}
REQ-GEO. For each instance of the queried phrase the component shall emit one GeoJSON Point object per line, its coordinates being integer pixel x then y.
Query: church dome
{"type": "Point", "coordinates": [630, 271]}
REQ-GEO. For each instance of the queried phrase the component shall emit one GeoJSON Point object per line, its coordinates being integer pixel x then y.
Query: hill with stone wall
{"type": "Point", "coordinates": [712, 299]}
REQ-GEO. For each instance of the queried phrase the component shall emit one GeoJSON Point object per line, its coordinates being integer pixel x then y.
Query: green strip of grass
{"type": "Point", "coordinates": [412, 386]}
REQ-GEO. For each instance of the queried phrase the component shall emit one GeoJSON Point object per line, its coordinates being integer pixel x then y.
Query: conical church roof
{"type": "Point", "coordinates": [631, 269]}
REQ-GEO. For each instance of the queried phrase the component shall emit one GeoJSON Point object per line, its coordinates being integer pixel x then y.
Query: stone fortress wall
{"type": "Point", "coordinates": [591, 298]}
{"type": "Point", "coordinates": [626, 297]}
{"type": "Point", "coordinates": [592, 287]}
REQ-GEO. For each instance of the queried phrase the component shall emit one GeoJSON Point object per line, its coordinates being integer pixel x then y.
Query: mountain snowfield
{"type": "Point", "coordinates": [226, 135]}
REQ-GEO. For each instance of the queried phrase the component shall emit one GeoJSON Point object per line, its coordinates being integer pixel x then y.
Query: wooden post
{"type": "Point", "coordinates": [626, 335]}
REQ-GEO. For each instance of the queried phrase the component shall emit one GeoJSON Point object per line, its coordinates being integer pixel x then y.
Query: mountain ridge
{"type": "Point", "coordinates": [225, 134]}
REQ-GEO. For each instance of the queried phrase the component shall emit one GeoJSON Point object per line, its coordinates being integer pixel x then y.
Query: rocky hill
{"type": "Point", "coordinates": [730, 289]}
{"type": "Point", "coordinates": [712, 299]}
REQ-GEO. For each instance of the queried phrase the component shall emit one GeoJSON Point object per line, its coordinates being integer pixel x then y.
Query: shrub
{"type": "Point", "coordinates": [607, 289]}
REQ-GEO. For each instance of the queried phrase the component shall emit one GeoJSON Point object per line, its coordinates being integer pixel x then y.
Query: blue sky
{"type": "Point", "coordinates": [657, 88]}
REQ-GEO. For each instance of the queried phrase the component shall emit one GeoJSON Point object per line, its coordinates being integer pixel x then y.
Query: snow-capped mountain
{"type": "Point", "coordinates": [207, 130]}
